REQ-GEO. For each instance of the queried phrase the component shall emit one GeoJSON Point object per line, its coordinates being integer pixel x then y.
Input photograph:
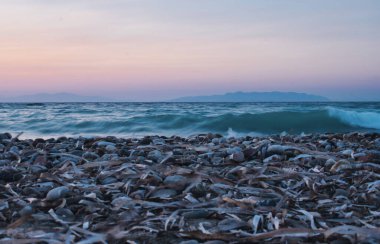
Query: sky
{"type": "Point", "coordinates": [149, 50]}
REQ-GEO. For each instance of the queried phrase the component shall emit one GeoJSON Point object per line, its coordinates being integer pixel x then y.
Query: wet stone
{"type": "Point", "coordinates": [377, 142]}
{"type": "Point", "coordinates": [230, 224]}
{"type": "Point", "coordinates": [37, 169]}
{"type": "Point", "coordinates": [189, 242]}
{"type": "Point", "coordinates": [109, 180]}
{"type": "Point", "coordinates": [175, 179]}
{"type": "Point", "coordinates": [26, 211]}
{"type": "Point", "coordinates": [197, 214]}
{"type": "Point", "coordinates": [15, 150]}
{"type": "Point", "coordinates": [10, 174]}
{"type": "Point", "coordinates": [155, 155]}
{"type": "Point", "coordinates": [57, 193]}
{"type": "Point", "coordinates": [3, 205]}
{"type": "Point", "coordinates": [146, 141]}
{"type": "Point", "coordinates": [4, 162]}
{"type": "Point", "coordinates": [5, 136]}
{"type": "Point", "coordinates": [105, 144]}
{"type": "Point", "coordinates": [65, 214]}
{"type": "Point", "coordinates": [91, 156]}
{"type": "Point", "coordinates": [108, 157]}
{"type": "Point", "coordinates": [217, 160]}
{"type": "Point", "coordinates": [122, 202]}
{"type": "Point", "coordinates": [110, 148]}
{"type": "Point", "coordinates": [164, 193]}
{"type": "Point", "coordinates": [158, 141]}
{"type": "Point", "coordinates": [238, 156]}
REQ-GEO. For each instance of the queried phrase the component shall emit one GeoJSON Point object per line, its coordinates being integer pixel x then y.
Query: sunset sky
{"type": "Point", "coordinates": [149, 50]}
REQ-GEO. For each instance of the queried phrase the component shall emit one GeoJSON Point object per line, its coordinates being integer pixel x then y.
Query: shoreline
{"type": "Point", "coordinates": [136, 136]}
{"type": "Point", "coordinates": [316, 187]}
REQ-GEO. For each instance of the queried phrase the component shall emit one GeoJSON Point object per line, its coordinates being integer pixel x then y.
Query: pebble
{"type": "Point", "coordinates": [215, 141]}
{"type": "Point", "coordinates": [109, 180]}
{"type": "Point", "coordinates": [10, 174]}
{"type": "Point", "coordinates": [217, 160]}
{"type": "Point", "coordinates": [377, 142]}
{"type": "Point", "coordinates": [65, 214]}
{"type": "Point", "coordinates": [164, 193]}
{"type": "Point", "coordinates": [26, 211]}
{"type": "Point", "coordinates": [109, 157]}
{"type": "Point", "coordinates": [15, 150]}
{"type": "Point", "coordinates": [174, 179]}
{"type": "Point", "coordinates": [57, 193]}
{"type": "Point", "coordinates": [110, 148]}
{"type": "Point", "coordinates": [3, 205]}
{"type": "Point", "coordinates": [233, 150]}
{"type": "Point", "coordinates": [155, 155]}
{"type": "Point", "coordinates": [91, 156]}
{"type": "Point", "coordinates": [189, 242]}
{"type": "Point", "coordinates": [238, 156]}
{"type": "Point", "coordinates": [222, 140]}
{"type": "Point", "coordinates": [122, 202]}
{"type": "Point", "coordinates": [5, 136]}
{"type": "Point", "coordinates": [105, 144]}
{"type": "Point", "coordinates": [158, 141]}
{"type": "Point", "coordinates": [209, 187]}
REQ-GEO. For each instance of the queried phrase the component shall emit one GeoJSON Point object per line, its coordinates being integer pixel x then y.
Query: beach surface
{"type": "Point", "coordinates": [203, 188]}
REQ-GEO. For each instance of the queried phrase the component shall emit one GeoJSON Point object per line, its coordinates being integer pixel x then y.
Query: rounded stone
{"type": "Point", "coordinates": [57, 193]}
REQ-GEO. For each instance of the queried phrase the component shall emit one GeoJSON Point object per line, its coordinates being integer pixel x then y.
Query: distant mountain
{"type": "Point", "coordinates": [54, 97]}
{"type": "Point", "coordinates": [255, 97]}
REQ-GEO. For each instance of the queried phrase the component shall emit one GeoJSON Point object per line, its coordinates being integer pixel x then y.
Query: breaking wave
{"type": "Point", "coordinates": [354, 118]}
{"type": "Point", "coordinates": [185, 119]}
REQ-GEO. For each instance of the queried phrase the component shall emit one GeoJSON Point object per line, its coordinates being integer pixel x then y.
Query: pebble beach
{"type": "Point", "coordinates": [199, 189]}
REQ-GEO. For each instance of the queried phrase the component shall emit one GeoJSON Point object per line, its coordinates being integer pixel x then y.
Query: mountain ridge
{"type": "Point", "coordinates": [274, 96]}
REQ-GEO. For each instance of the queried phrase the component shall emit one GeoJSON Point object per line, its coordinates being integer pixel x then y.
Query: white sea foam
{"type": "Point", "coordinates": [234, 134]}
{"type": "Point", "coordinates": [363, 119]}
{"type": "Point", "coordinates": [231, 133]}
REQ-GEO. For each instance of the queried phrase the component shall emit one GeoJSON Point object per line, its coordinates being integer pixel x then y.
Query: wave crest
{"type": "Point", "coordinates": [362, 119]}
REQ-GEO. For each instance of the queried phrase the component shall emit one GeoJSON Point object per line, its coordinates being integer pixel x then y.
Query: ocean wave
{"type": "Point", "coordinates": [188, 119]}
{"type": "Point", "coordinates": [270, 122]}
{"type": "Point", "coordinates": [362, 119]}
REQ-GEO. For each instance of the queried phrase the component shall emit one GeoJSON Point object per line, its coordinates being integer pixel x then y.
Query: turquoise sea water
{"type": "Point", "coordinates": [184, 119]}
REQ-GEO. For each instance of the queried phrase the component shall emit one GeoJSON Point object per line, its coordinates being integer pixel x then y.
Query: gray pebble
{"type": "Point", "coordinates": [90, 156]}
{"type": "Point", "coordinates": [155, 155]}
{"type": "Point", "coordinates": [164, 193]}
{"type": "Point", "coordinates": [104, 143]}
{"type": "Point", "coordinates": [237, 156]}
{"type": "Point", "coordinates": [26, 211]}
{"type": "Point", "coordinates": [175, 180]}
{"type": "Point", "coordinates": [57, 193]}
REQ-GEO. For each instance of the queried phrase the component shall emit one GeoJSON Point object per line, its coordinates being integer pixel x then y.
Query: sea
{"type": "Point", "coordinates": [47, 120]}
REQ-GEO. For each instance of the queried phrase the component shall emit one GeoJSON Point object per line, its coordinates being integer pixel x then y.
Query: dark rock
{"type": "Point", "coordinates": [9, 174]}
{"type": "Point", "coordinates": [155, 155]}
{"type": "Point", "coordinates": [5, 136]}
{"type": "Point", "coordinates": [238, 156]}
{"type": "Point", "coordinates": [90, 156]}
{"type": "Point", "coordinates": [26, 211]}
{"type": "Point", "coordinates": [175, 179]}
{"type": "Point", "coordinates": [57, 193]}
{"type": "Point", "coordinates": [146, 141]}
{"type": "Point", "coordinates": [164, 193]}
